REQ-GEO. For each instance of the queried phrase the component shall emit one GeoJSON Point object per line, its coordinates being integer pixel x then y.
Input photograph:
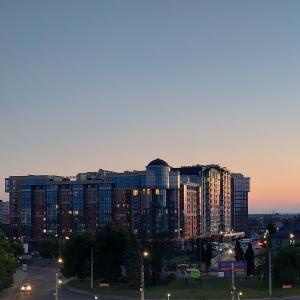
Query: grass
{"type": "Point", "coordinates": [207, 288]}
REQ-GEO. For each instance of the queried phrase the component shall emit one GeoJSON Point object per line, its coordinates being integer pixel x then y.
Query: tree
{"type": "Point", "coordinates": [239, 253]}
{"type": "Point", "coordinates": [271, 228]}
{"type": "Point", "coordinates": [76, 255]}
{"type": "Point", "coordinates": [109, 250]}
{"type": "Point", "coordinates": [132, 262]}
{"type": "Point", "coordinates": [48, 248]}
{"type": "Point", "coordinates": [153, 265]}
{"type": "Point", "coordinates": [249, 257]}
{"type": "Point", "coordinates": [7, 263]}
{"type": "Point", "coordinates": [208, 256]}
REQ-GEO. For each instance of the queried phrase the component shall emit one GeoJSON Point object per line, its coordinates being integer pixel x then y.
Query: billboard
{"type": "Point", "coordinates": [225, 268]}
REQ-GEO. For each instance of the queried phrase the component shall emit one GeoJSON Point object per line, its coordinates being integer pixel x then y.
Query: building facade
{"type": "Point", "coordinates": [4, 212]}
{"type": "Point", "coordinates": [240, 188]}
{"type": "Point", "coordinates": [215, 183]}
{"type": "Point", "coordinates": [145, 201]}
{"type": "Point", "coordinates": [190, 210]}
{"type": "Point", "coordinates": [158, 202]}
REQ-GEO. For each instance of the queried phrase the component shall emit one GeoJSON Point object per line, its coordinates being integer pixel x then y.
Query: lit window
{"type": "Point", "coordinates": [157, 191]}
{"type": "Point", "coordinates": [135, 192]}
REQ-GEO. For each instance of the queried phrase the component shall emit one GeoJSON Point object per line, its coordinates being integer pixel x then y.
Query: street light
{"type": "Point", "coordinates": [239, 295]}
{"type": "Point", "coordinates": [291, 239]}
{"type": "Point", "coordinates": [220, 234]}
{"type": "Point", "coordinates": [168, 295]}
{"type": "Point", "coordinates": [142, 289]}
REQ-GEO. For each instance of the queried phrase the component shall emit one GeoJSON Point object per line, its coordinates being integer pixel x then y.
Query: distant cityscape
{"type": "Point", "coordinates": [160, 202]}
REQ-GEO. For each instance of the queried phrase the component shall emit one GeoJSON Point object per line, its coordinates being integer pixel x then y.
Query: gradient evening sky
{"type": "Point", "coordinates": [114, 84]}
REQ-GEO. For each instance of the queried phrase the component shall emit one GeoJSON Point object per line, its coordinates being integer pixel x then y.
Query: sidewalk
{"type": "Point", "coordinates": [9, 293]}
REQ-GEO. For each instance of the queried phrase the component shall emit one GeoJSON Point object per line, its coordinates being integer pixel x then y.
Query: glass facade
{"type": "Point", "coordinates": [105, 204]}
{"type": "Point", "coordinates": [78, 207]}
{"type": "Point", "coordinates": [26, 210]}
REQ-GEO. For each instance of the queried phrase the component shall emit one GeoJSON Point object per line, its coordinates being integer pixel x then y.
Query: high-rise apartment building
{"type": "Point", "coordinates": [145, 201]}
{"type": "Point", "coordinates": [240, 188]}
{"type": "Point", "coordinates": [216, 196]}
{"type": "Point", "coordinates": [158, 202]}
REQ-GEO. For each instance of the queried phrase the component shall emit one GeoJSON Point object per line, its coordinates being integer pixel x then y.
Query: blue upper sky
{"type": "Point", "coordinates": [113, 84]}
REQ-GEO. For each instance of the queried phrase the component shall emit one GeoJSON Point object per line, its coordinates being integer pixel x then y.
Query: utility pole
{"type": "Point", "coordinates": [142, 289]}
{"type": "Point", "coordinates": [232, 281]}
{"type": "Point", "coordinates": [92, 268]}
{"type": "Point", "coordinates": [270, 273]}
{"type": "Point", "coordinates": [56, 286]}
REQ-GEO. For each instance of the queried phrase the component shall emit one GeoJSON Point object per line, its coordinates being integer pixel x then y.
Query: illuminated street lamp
{"type": "Point", "coordinates": [292, 239]}
{"type": "Point", "coordinates": [142, 289]}
{"type": "Point", "coordinates": [239, 295]}
{"type": "Point", "coordinates": [168, 295]}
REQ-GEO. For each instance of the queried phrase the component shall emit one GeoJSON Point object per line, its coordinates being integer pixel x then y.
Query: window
{"type": "Point", "coordinates": [157, 191]}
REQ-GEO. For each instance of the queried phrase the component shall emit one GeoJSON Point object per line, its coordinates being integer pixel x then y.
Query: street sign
{"type": "Point", "coordinates": [225, 268]}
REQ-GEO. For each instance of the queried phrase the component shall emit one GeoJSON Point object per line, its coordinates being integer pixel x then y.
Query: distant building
{"type": "Point", "coordinates": [4, 212]}
{"type": "Point", "coordinates": [240, 188]}
{"type": "Point", "coordinates": [288, 235]}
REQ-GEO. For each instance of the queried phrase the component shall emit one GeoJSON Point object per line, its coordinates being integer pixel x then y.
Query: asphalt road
{"type": "Point", "coordinates": [41, 276]}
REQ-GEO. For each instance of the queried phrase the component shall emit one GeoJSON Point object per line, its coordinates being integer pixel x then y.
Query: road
{"type": "Point", "coordinates": [41, 276]}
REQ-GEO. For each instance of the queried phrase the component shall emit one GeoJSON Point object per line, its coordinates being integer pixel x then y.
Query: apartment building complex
{"type": "Point", "coordinates": [158, 202]}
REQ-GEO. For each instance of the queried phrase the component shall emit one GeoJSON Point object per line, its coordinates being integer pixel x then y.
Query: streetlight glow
{"type": "Point", "coordinates": [145, 253]}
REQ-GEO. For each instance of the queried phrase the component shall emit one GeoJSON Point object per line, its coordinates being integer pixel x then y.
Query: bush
{"type": "Point", "coordinates": [171, 277]}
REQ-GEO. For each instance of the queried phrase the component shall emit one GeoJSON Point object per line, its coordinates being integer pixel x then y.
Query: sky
{"type": "Point", "coordinates": [93, 84]}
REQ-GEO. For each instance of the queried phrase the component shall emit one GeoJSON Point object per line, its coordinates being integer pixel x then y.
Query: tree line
{"type": "Point", "coordinates": [9, 251]}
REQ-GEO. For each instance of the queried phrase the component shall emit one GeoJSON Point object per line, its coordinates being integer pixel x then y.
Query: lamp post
{"type": "Point", "coordinates": [220, 234]}
{"type": "Point", "coordinates": [292, 239]}
{"type": "Point", "coordinates": [142, 289]}
{"type": "Point", "coordinates": [168, 295]}
{"type": "Point", "coordinates": [92, 268]}
{"type": "Point", "coordinates": [239, 295]}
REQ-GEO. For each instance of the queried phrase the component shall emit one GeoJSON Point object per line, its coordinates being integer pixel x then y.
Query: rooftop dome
{"type": "Point", "coordinates": [158, 162]}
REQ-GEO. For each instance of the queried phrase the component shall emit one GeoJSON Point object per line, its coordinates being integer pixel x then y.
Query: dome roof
{"type": "Point", "coordinates": [158, 162]}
